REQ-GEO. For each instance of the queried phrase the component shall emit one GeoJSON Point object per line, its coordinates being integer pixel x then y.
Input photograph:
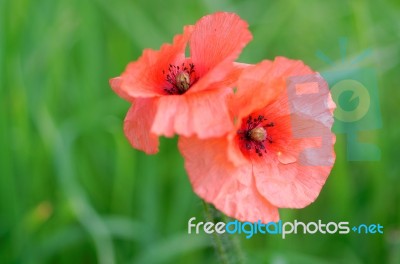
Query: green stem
{"type": "Point", "coordinates": [226, 246]}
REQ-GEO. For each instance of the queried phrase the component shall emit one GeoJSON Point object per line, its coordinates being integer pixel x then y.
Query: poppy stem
{"type": "Point", "coordinates": [226, 246]}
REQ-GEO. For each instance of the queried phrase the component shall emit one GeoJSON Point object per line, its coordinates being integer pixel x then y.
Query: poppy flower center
{"type": "Point", "coordinates": [253, 134]}
{"type": "Point", "coordinates": [179, 78]}
{"type": "Point", "coordinates": [258, 134]}
{"type": "Point", "coordinates": [183, 81]}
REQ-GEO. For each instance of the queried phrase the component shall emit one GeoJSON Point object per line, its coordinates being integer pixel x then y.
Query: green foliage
{"type": "Point", "coordinates": [72, 190]}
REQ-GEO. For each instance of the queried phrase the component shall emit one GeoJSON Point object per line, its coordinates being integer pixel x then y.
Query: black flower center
{"type": "Point", "coordinates": [253, 134]}
{"type": "Point", "coordinates": [179, 78]}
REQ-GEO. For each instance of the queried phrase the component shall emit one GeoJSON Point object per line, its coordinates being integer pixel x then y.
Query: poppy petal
{"type": "Point", "coordinates": [115, 84]}
{"type": "Point", "coordinates": [215, 179]}
{"type": "Point", "coordinates": [261, 84]}
{"type": "Point", "coordinates": [294, 177]}
{"type": "Point", "coordinates": [204, 114]}
{"type": "Point", "coordinates": [216, 42]}
{"type": "Point", "coordinates": [301, 154]}
{"type": "Point", "coordinates": [144, 77]}
{"type": "Point", "coordinates": [137, 124]}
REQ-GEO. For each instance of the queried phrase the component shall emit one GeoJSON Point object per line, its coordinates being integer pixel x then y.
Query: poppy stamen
{"type": "Point", "coordinates": [254, 134]}
{"type": "Point", "coordinates": [179, 78]}
{"type": "Point", "coordinates": [258, 134]}
{"type": "Point", "coordinates": [183, 81]}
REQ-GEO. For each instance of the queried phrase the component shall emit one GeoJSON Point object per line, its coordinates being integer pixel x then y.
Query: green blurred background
{"type": "Point", "coordinates": [72, 190]}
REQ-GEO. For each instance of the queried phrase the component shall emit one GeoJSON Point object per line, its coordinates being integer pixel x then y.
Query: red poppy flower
{"type": "Point", "coordinates": [280, 150]}
{"type": "Point", "coordinates": [172, 93]}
